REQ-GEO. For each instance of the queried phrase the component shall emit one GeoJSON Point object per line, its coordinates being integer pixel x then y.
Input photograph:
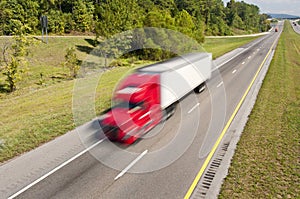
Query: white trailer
{"type": "Point", "coordinates": [181, 75]}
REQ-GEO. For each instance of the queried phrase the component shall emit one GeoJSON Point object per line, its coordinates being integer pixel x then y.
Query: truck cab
{"type": "Point", "coordinates": [135, 108]}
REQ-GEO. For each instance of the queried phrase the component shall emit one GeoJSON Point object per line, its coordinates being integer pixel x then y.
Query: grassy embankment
{"type": "Point", "coordinates": [266, 161]}
{"type": "Point", "coordinates": [37, 113]}
{"type": "Point", "coordinates": [219, 46]}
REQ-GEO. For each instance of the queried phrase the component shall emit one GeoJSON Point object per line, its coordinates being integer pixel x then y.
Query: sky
{"type": "Point", "coordinates": [291, 7]}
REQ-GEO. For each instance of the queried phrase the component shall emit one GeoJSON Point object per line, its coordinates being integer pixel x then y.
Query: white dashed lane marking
{"type": "Point", "coordinates": [193, 108]}
{"type": "Point", "coordinates": [220, 84]}
{"type": "Point", "coordinates": [131, 165]}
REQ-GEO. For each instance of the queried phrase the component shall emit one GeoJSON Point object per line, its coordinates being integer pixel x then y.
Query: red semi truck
{"type": "Point", "coordinates": [149, 95]}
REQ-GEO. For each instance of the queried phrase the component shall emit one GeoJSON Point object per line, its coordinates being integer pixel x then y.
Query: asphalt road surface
{"type": "Point", "coordinates": [164, 163]}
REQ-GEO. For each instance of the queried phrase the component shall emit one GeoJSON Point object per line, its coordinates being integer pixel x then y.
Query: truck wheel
{"type": "Point", "coordinates": [200, 88]}
{"type": "Point", "coordinates": [168, 112]}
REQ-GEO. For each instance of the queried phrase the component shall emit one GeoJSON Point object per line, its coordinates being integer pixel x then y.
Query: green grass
{"type": "Point", "coordinates": [47, 59]}
{"type": "Point", "coordinates": [35, 114]}
{"type": "Point", "coordinates": [37, 117]}
{"type": "Point", "coordinates": [266, 161]}
{"type": "Point", "coordinates": [219, 46]}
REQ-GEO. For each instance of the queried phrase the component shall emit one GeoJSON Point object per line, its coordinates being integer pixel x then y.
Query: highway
{"type": "Point", "coordinates": [165, 163]}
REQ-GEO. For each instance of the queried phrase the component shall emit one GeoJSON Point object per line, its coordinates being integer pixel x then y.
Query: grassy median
{"type": "Point", "coordinates": [266, 162]}
{"type": "Point", "coordinates": [41, 108]}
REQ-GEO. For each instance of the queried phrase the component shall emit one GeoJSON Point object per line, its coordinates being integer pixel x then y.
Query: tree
{"type": "Point", "coordinates": [159, 19]}
{"type": "Point", "coordinates": [13, 60]}
{"type": "Point", "coordinates": [166, 5]}
{"type": "Point", "coordinates": [56, 22]}
{"type": "Point", "coordinates": [264, 23]}
{"type": "Point", "coordinates": [191, 6]}
{"type": "Point", "coordinates": [146, 5]}
{"type": "Point", "coordinates": [184, 23]}
{"type": "Point", "coordinates": [83, 15]}
{"type": "Point", "coordinates": [211, 12]}
{"type": "Point", "coordinates": [17, 14]}
{"type": "Point", "coordinates": [116, 16]}
{"type": "Point", "coordinates": [12, 73]}
{"type": "Point", "coordinates": [71, 62]}
{"type": "Point", "coordinates": [199, 30]}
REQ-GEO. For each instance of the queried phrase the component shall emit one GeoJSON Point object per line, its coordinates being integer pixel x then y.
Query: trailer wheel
{"type": "Point", "coordinates": [200, 88]}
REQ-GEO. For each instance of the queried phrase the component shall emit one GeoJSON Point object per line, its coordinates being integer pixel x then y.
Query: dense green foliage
{"type": "Point", "coordinates": [108, 17]}
{"type": "Point", "coordinates": [12, 60]}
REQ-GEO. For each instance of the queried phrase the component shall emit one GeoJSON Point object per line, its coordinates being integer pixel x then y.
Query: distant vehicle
{"type": "Point", "coordinates": [276, 29]}
{"type": "Point", "coordinates": [149, 95]}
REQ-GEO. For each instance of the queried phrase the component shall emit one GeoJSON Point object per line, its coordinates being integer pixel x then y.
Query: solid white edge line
{"type": "Point", "coordinates": [131, 164]}
{"type": "Point", "coordinates": [54, 170]}
{"type": "Point", "coordinates": [219, 84]}
{"type": "Point", "coordinates": [233, 71]}
{"type": "Point", "coordinates": [193, 108]}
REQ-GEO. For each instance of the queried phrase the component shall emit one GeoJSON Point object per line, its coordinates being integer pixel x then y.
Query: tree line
{"type": "Point", "coordinates": [194, 18]}
{"type": "Point", "coordinates": [106, 18]}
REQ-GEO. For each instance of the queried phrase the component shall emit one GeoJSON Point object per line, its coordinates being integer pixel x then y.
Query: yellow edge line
{"type": "Point", "coordinates": [196, 180]}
